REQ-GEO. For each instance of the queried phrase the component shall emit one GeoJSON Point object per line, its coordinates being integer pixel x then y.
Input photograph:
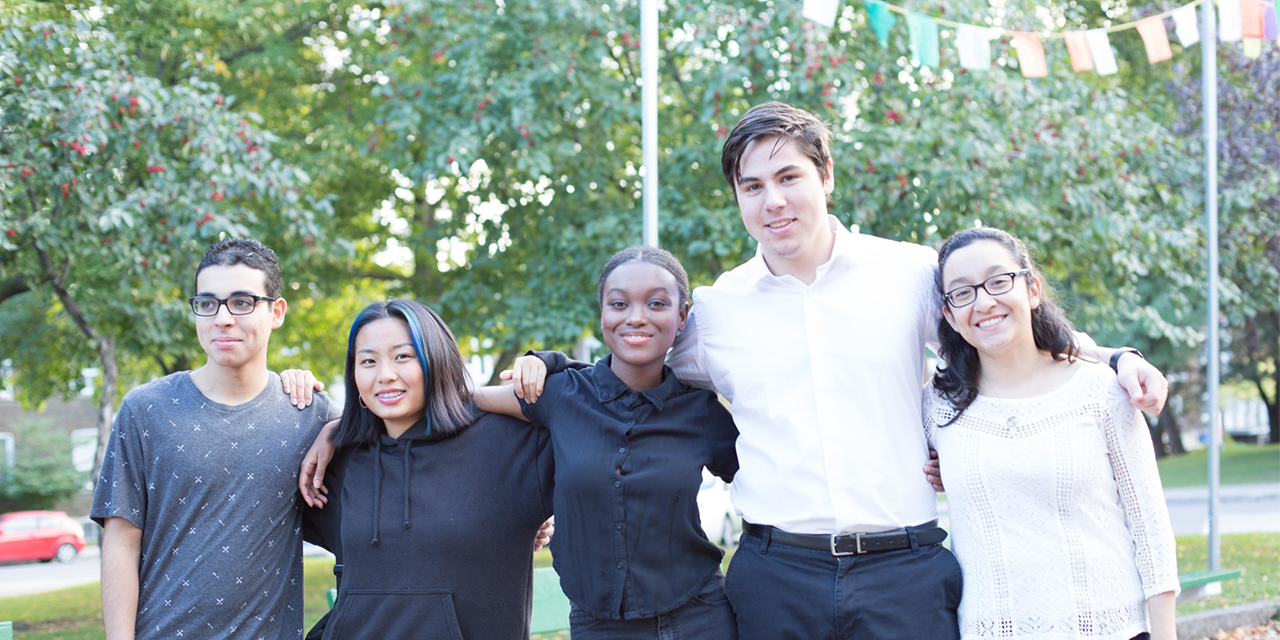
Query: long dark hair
{"type": "Point", "coordinates": [444, 375]}
{"type": "Point", "coordinates": [958, 380]}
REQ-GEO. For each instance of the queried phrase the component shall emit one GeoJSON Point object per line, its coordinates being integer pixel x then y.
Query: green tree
{"type": "Point", "coordinates": [111, 184]}
{"type": "Point", "coordinates": [41, 475]}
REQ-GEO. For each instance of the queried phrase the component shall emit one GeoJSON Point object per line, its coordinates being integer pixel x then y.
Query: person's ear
{"type": "Point", "coordinates": [946, 313]}
{"type": "Point", "coordinates": [684, 315]}
{"type": "Point", "coordinates": [1034, 289]}
{"type": "Point", "coordinates": [278, 309]}
{"type": "Point", "coordinates": [829, 182]}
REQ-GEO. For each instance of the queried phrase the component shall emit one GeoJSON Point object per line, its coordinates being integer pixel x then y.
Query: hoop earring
{"type": "Point", "coordinates": [360, 399]}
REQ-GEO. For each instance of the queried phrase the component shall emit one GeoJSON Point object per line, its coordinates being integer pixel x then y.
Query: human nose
{"type": "Point", "coordinates": [983, 298]}
{"type": "Point", "coordinates": [773, 198]}
{"type": "Point", "coordinates": [636, 315]}
{"type": "Point", "coordinates": [387, 373]}
{"type": "Point", "coordinates": [222, 316]}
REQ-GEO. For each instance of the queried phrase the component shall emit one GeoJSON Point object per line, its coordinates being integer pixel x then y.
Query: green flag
{"type": "Point", "coordinates": [924, 39]}
{"type": "Point", "coordinates": [881, 20]}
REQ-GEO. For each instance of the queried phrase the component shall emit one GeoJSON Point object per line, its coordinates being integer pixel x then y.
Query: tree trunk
{"type": "Point", "coordinates": [1273, 405]}
{"type": "Point", "coordinates": [106, 347]}
{"type": "Point", "coordinates": [503, 362]}
{"type": "Point", "coordinates": [1168, 434]}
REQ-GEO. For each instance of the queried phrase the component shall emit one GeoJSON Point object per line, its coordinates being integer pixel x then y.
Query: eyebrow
{"type": "Point", "coordinates": [992, 270]}
{"type": "Point", "coordinates": [233, 294]}
{"type": "Point", "coordinates": [402, 344]}
{"type": "Point", "coordinates": [616, 290]}
{"type": "Point", "coordinates": [787, 169]}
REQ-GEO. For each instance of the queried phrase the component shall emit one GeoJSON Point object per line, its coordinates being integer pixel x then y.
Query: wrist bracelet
{"type": "Point", "coordinates": [1115, 357]}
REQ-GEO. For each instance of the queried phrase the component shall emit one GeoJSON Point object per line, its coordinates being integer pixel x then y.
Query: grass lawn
{"type": "Point", "coordinates": [1240, 464]}
{"type": "Point", "coordinates": [76, 613]}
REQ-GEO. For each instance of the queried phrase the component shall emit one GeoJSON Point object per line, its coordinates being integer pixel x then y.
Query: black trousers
{"type": "Point", "coordinates": [781, 592]}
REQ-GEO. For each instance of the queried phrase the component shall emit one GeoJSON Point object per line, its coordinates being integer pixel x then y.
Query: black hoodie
{"type": "Point", "coordinates": [435, 532]}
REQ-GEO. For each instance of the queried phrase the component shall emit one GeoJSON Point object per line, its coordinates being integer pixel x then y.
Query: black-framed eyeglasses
{"type": "Point", "coordinates": [965, 295]}
{"type": "Point", "coordinates": [241, 305]}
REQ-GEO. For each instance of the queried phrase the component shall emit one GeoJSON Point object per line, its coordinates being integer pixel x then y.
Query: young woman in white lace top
{"type": "Point", "coordinates": [1057, 514]}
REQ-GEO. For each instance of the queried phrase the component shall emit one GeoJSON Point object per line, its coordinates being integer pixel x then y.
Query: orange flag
{"type": "Point", "coordinates": [1253, 22]}
{"type": "Point", "coordinates": [1030, 55]}
{"type": "Point", "coordinates": [1157, 41]}
{"type": "Point", "coordinates": [1078, 49]}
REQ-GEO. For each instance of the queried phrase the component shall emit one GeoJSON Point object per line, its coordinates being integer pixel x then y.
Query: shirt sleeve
{"type": "Point", "coordinates": [722, 436]}
{"type": "Point", "coordinates": [1133, 462]}
{"type": "Point", "coordinates": [540, 413]}
{"type": "Point", "coordinates": [926, 414]}
{"type": "Point", "coordinates": [556, 361]}
{"type": "Point", "coordinates": [546, 470]}
{"type": "Point", "coordinates": [687, 358]}
{"type": "Point", "coordinates": [121, 489]}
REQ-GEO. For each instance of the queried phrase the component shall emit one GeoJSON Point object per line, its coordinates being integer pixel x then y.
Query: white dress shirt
{"type": "Point", "coordinates": [825, 382]}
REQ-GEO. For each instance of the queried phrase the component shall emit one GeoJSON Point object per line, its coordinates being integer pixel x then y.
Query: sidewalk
{"type": "Point", "coordinates": [1226, 493]}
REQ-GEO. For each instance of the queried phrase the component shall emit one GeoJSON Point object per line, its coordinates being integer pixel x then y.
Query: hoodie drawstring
{"type": "Point", "coordinates": [408, 446]}
{"type": "Point", "coordinates": [377, 489]}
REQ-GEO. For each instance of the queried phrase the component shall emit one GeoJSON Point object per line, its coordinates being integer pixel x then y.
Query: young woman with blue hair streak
{"type": "Point", "coordinates": [431, 503]}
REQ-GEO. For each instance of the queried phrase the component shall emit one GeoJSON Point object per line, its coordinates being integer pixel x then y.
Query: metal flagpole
{"type": "Point", "coordinates": [649, 118]}
{"type": "Point", "coordinates": [1209, 92]}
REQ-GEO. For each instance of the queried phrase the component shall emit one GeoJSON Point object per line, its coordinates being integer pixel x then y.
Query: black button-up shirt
{"type": "Point", "coordinates": [628, 465]}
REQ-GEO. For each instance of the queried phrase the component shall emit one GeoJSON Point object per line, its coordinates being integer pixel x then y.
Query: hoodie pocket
{"type": "Point", "coordinates": [396, 614]}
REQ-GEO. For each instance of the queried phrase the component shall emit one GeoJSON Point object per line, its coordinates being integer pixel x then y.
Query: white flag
{"type": "Point", "coordinates": [1186, 24]}
{"type": "Point", "coordinates": [822, 12]}
{"type": "Point", "coordinates": [1230, 22]}
{"type": "Point", "coordinates": [974, 45]}
{"type": "Point", "coordinates": [1104, 60]}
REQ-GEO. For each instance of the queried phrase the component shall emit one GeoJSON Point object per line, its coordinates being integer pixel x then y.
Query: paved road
{"type": "Point", "coordinates": [20, 579]}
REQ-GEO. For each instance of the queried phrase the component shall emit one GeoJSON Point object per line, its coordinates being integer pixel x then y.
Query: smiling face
{"type": "Point", "coordinates": [640, 315]}
{"type": "Point", "coordinates": [992, 324]}
{"type": "Point", "coordinates": [783, 202]}
{"type": "Point", "coordinates": [235, 342]}
{"type": "Point", "coordinates": [388, 374]}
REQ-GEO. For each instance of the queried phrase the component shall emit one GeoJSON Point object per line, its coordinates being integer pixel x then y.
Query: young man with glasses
{"type": "Point", "coordinates": [840, 531]}
{"type": "Point", "coordinates": [198, 491]}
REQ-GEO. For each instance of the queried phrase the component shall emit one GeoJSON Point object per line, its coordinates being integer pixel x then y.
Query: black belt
{"type": "Point", "coordinates": [849, 544]}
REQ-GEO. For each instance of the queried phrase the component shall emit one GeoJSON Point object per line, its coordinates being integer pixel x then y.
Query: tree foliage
{"type": "Point", "coordinates": [41, 475]}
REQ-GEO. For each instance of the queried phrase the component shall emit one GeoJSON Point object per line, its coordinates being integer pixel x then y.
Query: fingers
{"type": "Point", "coordinates": [545, 532]}
{"type": "Point", "coordinates": [516, 376]}
{"type": "Point", "coordinates": [505, 376]}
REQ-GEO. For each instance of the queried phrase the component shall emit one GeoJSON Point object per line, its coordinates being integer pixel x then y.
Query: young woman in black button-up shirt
{"type": "Point", "coordinates": [630, 442]}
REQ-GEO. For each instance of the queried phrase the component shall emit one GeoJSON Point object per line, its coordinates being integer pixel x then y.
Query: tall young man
{"type": "Point", "coordinates": [825, 380]}
{"type": "Point", "coordinates": [198, 492]}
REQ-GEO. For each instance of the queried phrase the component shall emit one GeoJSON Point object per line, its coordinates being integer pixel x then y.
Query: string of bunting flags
{"type": "Point", "coordinates": [1249, 22]}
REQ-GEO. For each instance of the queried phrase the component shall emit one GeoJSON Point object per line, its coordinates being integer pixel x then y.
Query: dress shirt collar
{"type": "Point", "coordinates": [757, 270]}
{"type": "Point", "coordinates": [609, 387]}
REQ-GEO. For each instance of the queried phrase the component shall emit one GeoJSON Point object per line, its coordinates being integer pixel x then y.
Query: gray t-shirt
{"type": "Point", "coordinates": [214, 490]}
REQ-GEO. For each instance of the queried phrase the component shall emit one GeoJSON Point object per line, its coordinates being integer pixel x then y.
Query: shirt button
{"type": "Point", "coordinates": [618, 526]}
{"type": "Point", "coordinates": [1012, 422]}
{"type": "Point", "coordinates": [619, 565]}
{"type": "Point", "coordinates": [622, 449]}
{"type": "Point", "coordinates": [617, 483]}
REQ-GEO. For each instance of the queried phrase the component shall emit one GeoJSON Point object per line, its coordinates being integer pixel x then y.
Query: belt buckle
{"type": "Point", "coordinates": [858, 550]}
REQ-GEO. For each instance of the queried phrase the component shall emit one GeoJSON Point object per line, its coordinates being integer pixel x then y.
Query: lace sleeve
{"type": "Point", "coordinates": [927, 412]}
{"type": "Point", "coordinates": [1133, 462]}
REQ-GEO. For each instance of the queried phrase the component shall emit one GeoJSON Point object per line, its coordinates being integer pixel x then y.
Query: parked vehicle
{"type": "Point", "coordinates": [720, 522]}
{"type": "Point", "coordinates": [39, 535]}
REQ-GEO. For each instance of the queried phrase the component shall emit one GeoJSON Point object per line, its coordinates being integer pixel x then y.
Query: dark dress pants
{"type": "Point", "coordinates": [783, 592]}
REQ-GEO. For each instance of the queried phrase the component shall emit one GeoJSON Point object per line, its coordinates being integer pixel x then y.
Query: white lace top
{"type": "Point", "coordinates": [1057, 514]}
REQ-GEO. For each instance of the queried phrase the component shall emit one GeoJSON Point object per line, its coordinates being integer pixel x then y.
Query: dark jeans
{"type": "Point", "coordinates": [781, 592]}
{"type": "Point", "coordinates": [707, 616]}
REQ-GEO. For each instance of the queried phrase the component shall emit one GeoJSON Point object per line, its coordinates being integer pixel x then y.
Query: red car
{"type": "Point", "coordinates": [39, 535]}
